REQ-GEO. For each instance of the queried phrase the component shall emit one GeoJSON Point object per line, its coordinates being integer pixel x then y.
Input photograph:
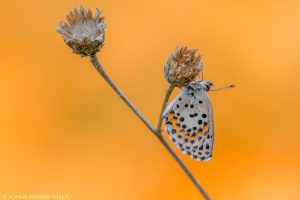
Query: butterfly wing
{"type": "Point", "coordinates": [189, 123]}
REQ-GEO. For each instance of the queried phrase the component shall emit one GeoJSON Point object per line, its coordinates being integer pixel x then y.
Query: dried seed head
{"type": "Point", "coordinates": [83, 32]}
{"type": "Point", "coordinates": [182, 66]}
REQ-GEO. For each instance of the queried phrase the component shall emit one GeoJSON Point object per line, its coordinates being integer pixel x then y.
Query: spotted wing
{"type": "Point", "coordinates": [189, 123]}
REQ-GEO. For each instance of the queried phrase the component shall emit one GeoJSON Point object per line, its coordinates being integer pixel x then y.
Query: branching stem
{"type": "Point", "coordinates": [156, 131]}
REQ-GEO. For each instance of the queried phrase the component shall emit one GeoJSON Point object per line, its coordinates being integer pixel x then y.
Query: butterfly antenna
{"type": "Point", "coordinates": [202, 75]}
{"type": "Point", "coordinates": [222, 88]}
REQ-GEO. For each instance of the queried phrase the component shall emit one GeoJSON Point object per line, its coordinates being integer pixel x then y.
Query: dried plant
{"type": "Point", "coordinates": [85, 35]}
{"type": "Point", "coordinates": [82, 32]}
{"type": "Point", "coordinates": [182, 66]}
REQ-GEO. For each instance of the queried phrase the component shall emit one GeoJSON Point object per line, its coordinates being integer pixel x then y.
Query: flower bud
{"type": "Point", "coordinates": [182, 66]}
{"type": "Point", "coordinates": [82, 32]}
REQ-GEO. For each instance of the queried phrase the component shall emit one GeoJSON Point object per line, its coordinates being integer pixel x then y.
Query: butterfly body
{"type": "Point", "coordinates": [189, 121]}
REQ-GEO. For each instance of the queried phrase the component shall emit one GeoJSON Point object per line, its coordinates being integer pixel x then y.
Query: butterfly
{"type": "Point", "coordinates": [189, 121]}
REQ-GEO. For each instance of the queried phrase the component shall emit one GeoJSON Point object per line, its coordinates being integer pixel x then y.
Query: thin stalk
{"type": "Point", "coordinates": [184, 168]}
{"type": "Point", "coordinates": [165, 103]}
{"type": "Point", "coordinates": [170, 150]}
{"type": "Point", "coordinates": [94, 60]}
{"type": "Point", "coordinates": [157, 132]}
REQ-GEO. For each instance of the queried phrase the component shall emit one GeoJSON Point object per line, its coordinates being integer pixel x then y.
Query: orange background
{"type": "Point", "coordinates": [63, 130]}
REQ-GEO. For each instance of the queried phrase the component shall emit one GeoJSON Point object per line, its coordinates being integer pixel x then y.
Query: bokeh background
{"type": "Point", "coordinates": [63, 130]}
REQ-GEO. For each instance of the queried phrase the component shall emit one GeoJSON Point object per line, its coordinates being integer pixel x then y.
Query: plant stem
{"type": "Point", "coordinates": [165, 103]}
{"type": "Point", "coordinates": [156, 132]}
{"type": "Point", "coordinates": [184, 168]}
{"type": "Point", "coordinates": [170, 150]}
{"type": "Point", "coordinates": [99, 68]}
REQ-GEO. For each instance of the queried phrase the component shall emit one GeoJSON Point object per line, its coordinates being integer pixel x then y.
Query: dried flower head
{"type": "Point", "coordinates": [182, 66]}
{"type": "Point", "coordinates": [83, 32]}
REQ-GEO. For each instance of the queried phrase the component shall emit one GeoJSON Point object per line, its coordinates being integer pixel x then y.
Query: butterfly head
{"type": "Point", "coordinates": [200, 86]}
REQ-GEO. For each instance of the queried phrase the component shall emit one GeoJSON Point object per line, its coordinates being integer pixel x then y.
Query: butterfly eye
{"type": "Point", "coordinates": [189, 88]}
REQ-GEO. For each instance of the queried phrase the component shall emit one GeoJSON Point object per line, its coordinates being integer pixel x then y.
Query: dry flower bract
{"type": "Point", "coordinates": [182, 66]}
{"type": "Point", "coordinates": [83, 32]}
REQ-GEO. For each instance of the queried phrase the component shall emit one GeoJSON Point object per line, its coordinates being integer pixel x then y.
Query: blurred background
{"type": "Point", "coordinates": [63, 130]}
